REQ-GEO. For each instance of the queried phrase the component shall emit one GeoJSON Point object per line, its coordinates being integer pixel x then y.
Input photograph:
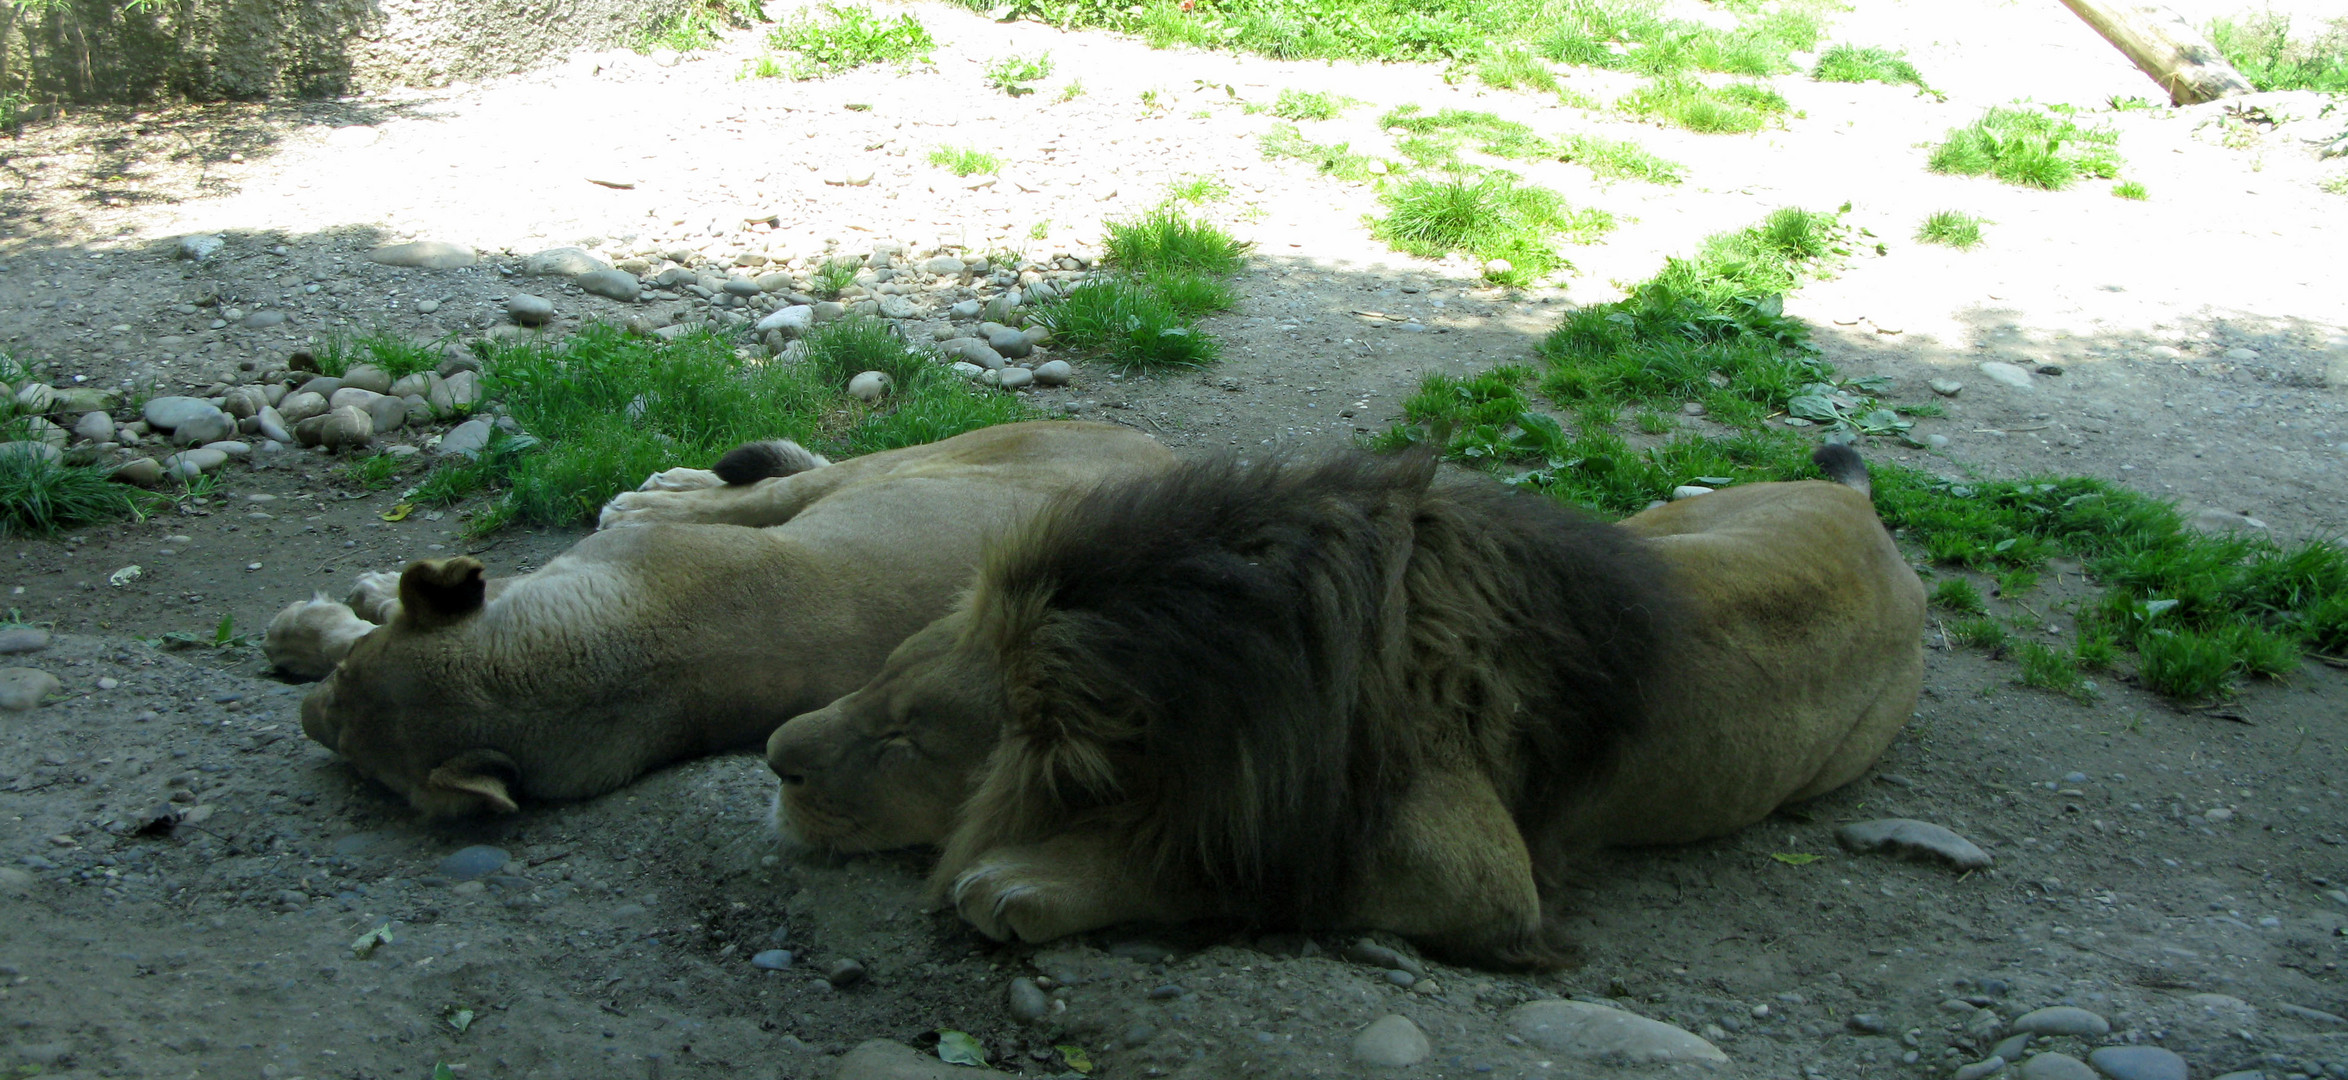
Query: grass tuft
{"type": "Point", "coordinates": [1734, 109]}
{"type": "Point", "coordinates": [2028, 147]}
{"type": "Point", "coordinates": [1164, 239]}
{"type": "Point", "coordinates": [1309, 105]}
{"type": "Point", "coordinates": [1959, 595]}
{"type": "Point", "coordinates": [1333, 159]}
{"type": "Point", "coordinates": [1490, 215]}
{"type": "Point", "coordinates": [1613, 159]}
{"type": "Point", "coordinates": [2130, 189]}
{"type": "Point", "coordinates": [2261, 48]}
{"type": "Point", "coordinates": [40, 497]}
{"type": "Point", "coordinates": [833, 276]}
{"type": "Point", "coordinates": [1954, 228]}
{"type": "Point", "coordinates": [1011, 74]}
{"type": "Point", "coordinates": [382, 348]}
{"type": "Point", "coordinates": [841, 349]}
{"type": "Point", "coordinates": [1197, 189]}
{"type": "Point", "coordinates": [1852, 63]}
{"type": "Point", "coordinates": [965, 160]}
{"type": "Point", "coordinates": [1517, 69]}
{"type": "Point", "coordinates": [2047, 669]}
{"type": "Point", "coordinates": [835, 39]}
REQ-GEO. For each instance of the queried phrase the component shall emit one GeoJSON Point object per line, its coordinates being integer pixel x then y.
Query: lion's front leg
{"type": "Point", "coordinates": [1065, 885]}
{"type": "Point", "coordinates": [1453, 873]}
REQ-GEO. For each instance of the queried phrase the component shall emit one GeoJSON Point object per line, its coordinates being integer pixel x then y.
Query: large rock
{"type": "Point", "coordinates": [1391, 1042]}
{"type": "Point", "coordinates": [467, 439]}
{"type": "Point", "coordinates": [562, 262]}
{"type": "Point", "coordinates": [170, 412]}
{"type": "Point", "coordinates": [24, 688]}
{"type": "Point", "coordinates": [211, 426]}
{"type": "Point", "coordinates": [424, 255]}
{"type": "Point", "coordinates": [1913, 839]}
{"type": "Point", "coordinates": [792, 321]}
{"type": "Point", "coordinates": [1608, 1036]}
{"type": "Point", "coordinates": [880, 1059]}
{"type": "Point", "coordinates": [612, 284]}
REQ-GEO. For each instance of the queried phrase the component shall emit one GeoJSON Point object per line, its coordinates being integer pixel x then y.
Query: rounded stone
{"type": "Point", "coordinates": [843, 973]}
{"type": "Point", "coordinates": [528, 310]}
{"type": "Point", "coordinates": [1978, 1070]}
{"type": "Point", "coordinates": [1054, 373]}
{"type": "Point", "coordinates": [467, 439]}
{"type": "Point", "coordinates": [23, 639]}
{"type": "Point", "coordinates": [143, 472]}
{"type": "Point", "coordinates": [740, 286]}
{"type": "Point", "coordinates": [1598, 1032]}
{"type": "Point", "coordinates": [423, 255]}
{"type": "Point", "coordinates": [25, 688]}
{"type": "Point", "coordinates": [1689, 491]}
{"type": "Point", "coordinates": [561, 262]}
{"type": "Point", "coordinates": [296, 408]}
{"type": "Point", "coordinates": [792, 321]}
{"type": "Point", "coordinates": [191, 463]}
{"type": "Point", "coordinates": [1015, 378]}
{"type": "Point", "coordinates": [2053, 1066]}
{"type": "Point", "coordinates": [351, 396]}
{"type": "Point", "coordinates": [610, 284]}
{"type": "Point", "coordinates": [1914, 839]}
{"type": "Point", "coordinates": [244, 401]}
{"type": "Point", "coordinates": [477, 861]}
{"type": "Point", "coordinates": [170, 412]}
{"type": "Point", "coordinates": [209, 427]}
{"type": "Point", "coordinates": [262, 320]}
{"type": "Point", "coordinates": [943, 266]}
{"type": "Point", "coordinates": [366, 377]}
{"type": "Point", "coordinates": [1011, 343]}
{"type": "Point", "coordinates": [2138, 1063]}
{"type": "Point", "coordinates": [1391, 1042]}
{"type": "Point", "coordinates": [1029, 1005]}
{"type": "Point", "coordinates": [347, 427]}
{"type": "Point", "coordinates": [2062, 1020]}
{"type": "Point", "coordinates": [772, 960]}
{"type": "Point", "coordinates": [868, 385]}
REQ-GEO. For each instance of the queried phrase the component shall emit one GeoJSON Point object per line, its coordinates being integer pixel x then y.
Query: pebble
{"type": "Point", "coordinates": [2241, 355]}
{"type": "Point", "coordinates": [792, 321]}
{"type": "Point", "coordinates": [898, 307]}
{"type": "Point", "coordinates": [1015, 378]}
{"type": "Point", "coordinates": [967, 309]}
{"type": "Point", "coordinates": [1370, 952]}
{"type": "Point", "coordinates": [1011, 343]}
{"type": "Point", "coordinates": [423, 255]}
{"type": "Point", "coordinates": [1689, 491]}
{"type": "Point", "coordinates": [262, 320]}
{"type": "Point", "coordinates": [211, 426]}
{"type": "Point", "coordinates": [966, 369]}
{"type": "Point", "coordinates": [868, 385]}
{"type": "Point", "coordinates": [829, 310]}
{"type": "Point", "coordinates": [191, 463]}
{"type": "Point", "coordinates": [477, 861]}
{"type": "Point", "coordinates": [1402, 979]}
{"type": "Point", "coordinates": [23, 639]}
{"type": "Point", "coordinates": [567, 262]}
{"type": "Point", "coordinates": [771, 960]}
{"type": "Point", "coordinates": [2053, 1066]}
{"type": "Point", "coordinates": [843, 973]}
{"type": "Point", "coordinates": [1946, 387]}
{"type": "Point", "coordinates": [200, 247]}
{"type": "Point", "coordinates": [944, 266]}
{"type": "Point", "coordinates": [1497, 267]}
{"type": "Point", "coordinates": [467, 439]}
{"type": "Point", "coordinates": [1586, 1030]}
{"type": "Point", "coordinates": [427, 307]}
{"type": "Point", "coordinates": [172, 411]}
{"type": "Point", "coordinates": [1054, 373]}
{"type": "Point", "coordinates": [1867, 1024]}
{"type": "Point", "coordinates": [2164, 352]}
{"type": "Point", "coordinates": [25, 688]}
{"type": "Point", "coordinates": [740, 286]}
{"type": "Point", "coordinates": [999, 308]}
{"type": "Point", "coordinates": [1029, 1005]}
{"type": "Point", "coordinates": [346, 427]}
{"type": "Point", "coordinates": [95, 427]}
{"type": "Point", "coordinates": [143, 472]}
{"type": "Point", "coordinates": [530, 310]}
{"type": "Point", "coordinates": [366, 377]}
{"type": "Point", "coordinates": [975, 351]}
{"type": "Point", "coordinates": [298, 407]}
{"type": "Point", "coordinates": [616, 285]}
{"type": "Point", "coordinates": [1982, 1068]}
{"type": "Point", "coordinates": [1913, 839]}
{"type": "Point", "coordinates": [2005, 374]}
{"type": "Point", "coordinates": [2138, 1063]}
{"type": "Point", "coordinates": [880, 1059]}
{"type": "Point", "coordinates": [2062, 1020]}
{"type": "Point", "coordinates": [2011, 1047]}
{"type": "Point", "coordinates": [1391, 1042]}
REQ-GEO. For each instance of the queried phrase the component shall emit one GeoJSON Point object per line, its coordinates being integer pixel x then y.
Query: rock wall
{"type": "Point", "coordinates": [144, 50]}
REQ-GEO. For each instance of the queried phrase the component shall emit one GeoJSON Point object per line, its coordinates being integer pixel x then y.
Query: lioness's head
{"type": "Point", "coordinates": [888, 765]}
{"type": "Point", "coordinates": [401, 707]}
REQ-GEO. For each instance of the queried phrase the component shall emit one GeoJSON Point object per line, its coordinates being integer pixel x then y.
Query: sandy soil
{"type": "Point", "coordinates": [2178, 872]}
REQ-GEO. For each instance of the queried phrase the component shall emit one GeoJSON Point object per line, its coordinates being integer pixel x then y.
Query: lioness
{"type": "Point", "coordinates": [643, 645]}
{"type": "Point", "coordinates": [1364, 694]}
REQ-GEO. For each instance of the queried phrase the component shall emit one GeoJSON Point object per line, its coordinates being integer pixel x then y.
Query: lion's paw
{"type": "Point", "coordinates": [375, 596]}
{"type": "Point", "coordinates": [680, 479]}
{"type": "Point", "coordinates": [1009, 902]}
{"type": "Point", "coordinates": [643, 508]}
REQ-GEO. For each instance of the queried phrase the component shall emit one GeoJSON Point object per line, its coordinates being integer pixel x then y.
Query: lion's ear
{"type": "Point", "coordinates": [435, 592]}
{"type": "Point", "coordinates": [475, 781]}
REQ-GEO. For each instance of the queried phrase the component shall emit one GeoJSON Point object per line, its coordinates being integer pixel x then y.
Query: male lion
{"type": "Point", "coordinates": [1361, 693]}
{"type": "Point", "coordinates": [643, 645]}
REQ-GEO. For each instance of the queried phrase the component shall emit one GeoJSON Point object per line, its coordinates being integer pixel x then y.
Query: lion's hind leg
{"type": "Point", "coordinates": [1067, 884]}
{"type": "Point", "coordinates": [1453, 873]}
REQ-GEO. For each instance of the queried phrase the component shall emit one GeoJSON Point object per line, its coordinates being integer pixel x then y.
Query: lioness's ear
{"type": "Point", "coordinates": [474, 782]}
{"type": "Point", "coordinates": [434, 592]}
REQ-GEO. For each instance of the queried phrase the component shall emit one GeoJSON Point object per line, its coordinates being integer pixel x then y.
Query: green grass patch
{"type": "Point", "coordinates": [1164, 239]}
{"type": "Point", "coordinates": [2048, 669]}
{"type": "Point", "coordinates": [1734, 109]}
{"type": "Point", "coordinates": [39, 497]}
{"type": "Point", "coordinates": [2130, 189]}
{"type": "Point", "coordinates": [373, 472]}
{"type": "Point", "coordinates": [602, 409]}
{"type": "Point", "coordinates": [2028, 147]}
{"type": "Point", "coordinates": [2261, 48]}
{"type": "Point", "coordinates": [1953, 228]}
{"type": "Point", "coordinates": [833, 39]}
{"type": "Point", "coordinates": [1959, 595]}
{"type": "Point", "coordinates": [1488, 214]}
{"type": "Point", "coordinates": [1011, 74]}
{"type": "Point", "coordinates": [1517, 69]}
{"type": "Point", "coordinates": [1435, 138]}
{"type": "Point", "coordinates": [397, 355]}
{"type": "Point", "coordinates": [965, 160]}
{"type": "Point", "coordinates": [833, 276]}
{"type": "Point", "coordinates": [697, 25]}
{"type": "Point", "coordinates": [1197, 189]}
{"type": "Point", "coordinates": [1332, 159]}
{"type": "Point", "coordinates": [1310, 105]}
{"type": "Point", "coordinates": [1631, 36]}
{"type": "Point", "coordinates": [1852, 63]}
{"type": "Point", "coordinates": [1616, 159]}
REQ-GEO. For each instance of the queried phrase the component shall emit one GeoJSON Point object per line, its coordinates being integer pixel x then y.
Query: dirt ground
{"type": "Point", "coordinates": [2178, 872]}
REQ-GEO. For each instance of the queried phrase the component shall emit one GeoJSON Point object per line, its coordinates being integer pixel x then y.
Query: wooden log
{"type": "Point", "coordinates": [2163, 45]}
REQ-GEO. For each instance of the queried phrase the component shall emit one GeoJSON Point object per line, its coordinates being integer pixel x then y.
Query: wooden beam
{"type": "Point", "coordinates": [2163, 45]}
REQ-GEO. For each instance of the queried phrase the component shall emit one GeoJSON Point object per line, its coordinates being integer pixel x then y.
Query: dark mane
{"type": "Point", "coordinates": [1241, 663]}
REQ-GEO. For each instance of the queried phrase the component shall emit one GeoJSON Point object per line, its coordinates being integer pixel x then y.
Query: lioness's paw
{"type": "Point", "coordinates": [643, 508]}
{"type": "Point", "coordinates": [680, 479]}
{"type": "Point", "coordinates": [375, 596]}
{"type": "Point", "coordinates": [1008, 902]}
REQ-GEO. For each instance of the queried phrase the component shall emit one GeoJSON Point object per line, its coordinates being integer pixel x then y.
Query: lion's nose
{"type": "Point", "coordinates": [793, 750]}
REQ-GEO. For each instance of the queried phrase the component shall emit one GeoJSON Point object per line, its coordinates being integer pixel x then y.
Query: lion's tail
{"type": "Point", "coordinates": [750, 463]}
{"type": "Point", "coordinates": [1842, 465]}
